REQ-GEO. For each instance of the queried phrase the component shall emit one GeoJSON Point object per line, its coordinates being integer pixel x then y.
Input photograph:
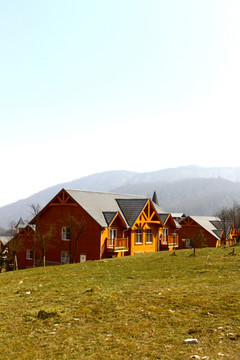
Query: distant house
{"type": "Point", "coordinates": [178, 216]}
{"type": "Point", "coordinates": [200, 231]}
{"type": "Point", "coordinates": [6, 236]}
{"type": "Point", "coordinates": [84, 225]}
{"type": "Point", "coordinates": [20, 225]}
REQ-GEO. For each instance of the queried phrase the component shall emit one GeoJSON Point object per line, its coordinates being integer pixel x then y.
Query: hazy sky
{"type": "Point", "coordinates": [88, 86]}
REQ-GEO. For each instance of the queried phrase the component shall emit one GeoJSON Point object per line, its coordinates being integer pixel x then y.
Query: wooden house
{"type": "Point", "coordinates": [169, 239]}
{"type": "Point", "coordinates": [233, 236]}
{"type": "Point", "coordinates": [200, 231]}
{"type": "Point", "coordinates": [21, 248]}
{"type": "Point", "coordinates": [76, 226]}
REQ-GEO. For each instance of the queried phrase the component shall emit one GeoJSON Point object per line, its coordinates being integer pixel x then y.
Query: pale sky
{"type": "Point", "coordinates": [93, 85]}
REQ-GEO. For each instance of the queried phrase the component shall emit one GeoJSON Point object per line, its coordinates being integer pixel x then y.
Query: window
{"type": "Point", "coordinates": [189, 243]}
{"type": "Point", "coordinates": [29, 254]}
{"type": "Point", "coordinates": [66, 233]}
{"type": "Point", "coordinates": [64, 258]}
{"type": "Point", "coordinates": [112, 235]}
{"type": "Point", "coordinates": [165, 235]}
{"type": "Point", "coordinates": [149, 236]}
{"type": "Point", "coordinates": [139, 236]}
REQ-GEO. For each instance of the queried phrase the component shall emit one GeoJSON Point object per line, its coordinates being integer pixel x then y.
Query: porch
{"type": "Point", "coordinates": [117, 245]}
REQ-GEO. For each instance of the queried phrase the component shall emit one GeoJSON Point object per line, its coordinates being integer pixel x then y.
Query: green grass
{"type": "Point", "coordinates": [139, 307]}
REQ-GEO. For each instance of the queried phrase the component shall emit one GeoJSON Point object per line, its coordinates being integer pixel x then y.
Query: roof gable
{"type": "Point", "coordinates": [109, 216]}
{"type": "Point", "coordinates": [209, 223]}
{"type": "Point", "coordinates": [163, 217]}
{"type": "Point", "coordinates": [21, 224]}
{"type": "Point", "coordinates": [103, 207]}
{"type": "Point", "coordinates": [167, 219]}
{"type": "Point", "coordinates": [131, 208]}
{"type": "Point", "coordinates": [148, 215]}
{"type": "Point", "coordinates": [114, 219]}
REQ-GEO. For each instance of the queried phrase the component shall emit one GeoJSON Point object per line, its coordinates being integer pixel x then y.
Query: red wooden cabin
{"type": "Point", "coordinates": [76, 226]}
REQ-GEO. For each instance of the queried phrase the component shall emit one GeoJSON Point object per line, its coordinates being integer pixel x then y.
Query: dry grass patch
{"type": "Point", "coordinates": [141, 307]}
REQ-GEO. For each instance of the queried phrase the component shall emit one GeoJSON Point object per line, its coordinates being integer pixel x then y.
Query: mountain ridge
{"type": "Point", "coordinates": [186, 189]}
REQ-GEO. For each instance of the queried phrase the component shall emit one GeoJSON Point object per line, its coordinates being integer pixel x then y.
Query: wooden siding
{"type": "Point", "coordinates": [200, 237]}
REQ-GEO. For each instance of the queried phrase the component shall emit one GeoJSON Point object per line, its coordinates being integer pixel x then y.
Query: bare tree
{"type": "Point", "coordinates": [224, 216]}
{"type": "Point", "coordinates": [43, 236]}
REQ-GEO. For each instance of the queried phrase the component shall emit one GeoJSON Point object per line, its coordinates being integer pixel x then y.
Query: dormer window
{"type": "Point", "coordinates": [66, 233]}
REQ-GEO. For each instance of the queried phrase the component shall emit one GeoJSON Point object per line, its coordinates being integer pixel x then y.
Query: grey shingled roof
{"type": "Point", "coordinates": [217, 224]}
{"type": "Point", "coordinates": [131, 208]}
{"type": "Point", "coordinates": [163, 217]}
{"type": "Point", "coordinates": [109, 216]}
{"type": "Point", "coordinates": [101, 205]}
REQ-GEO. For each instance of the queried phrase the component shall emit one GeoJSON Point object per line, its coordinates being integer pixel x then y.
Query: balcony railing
{"type": "Point", "coordinates": [170, 240]}
{"type": "Point", "coordinates": [117, 244]}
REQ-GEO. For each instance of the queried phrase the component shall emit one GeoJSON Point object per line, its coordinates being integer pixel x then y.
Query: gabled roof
{"type": "Point", "coordinates": [4, 239]}
{"type": "Point", "coordinates": [219, 227]}
{"type": "Point", "coordinates": [131, 208]}
{"type": "Point", "coordinates": [109, 216]}
{"type": "Point", "coordinates": [164, 217]}
{"type": "Point", "coordinates": [21, 224]}
{"type": "Point", "coordinates": [209, 223]}
{"type": "Point", "coordinates": [178, 215]}
{"type": "Point", "coordinates": [102, 206]}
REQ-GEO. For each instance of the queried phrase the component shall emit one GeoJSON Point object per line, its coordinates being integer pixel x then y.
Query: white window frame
{"type": "Point", "coordinates": [29, 254]}
{"type": "Point", "coordinates": [64, 257]}
{"type": "Point", "coordinates": [149, 234]}
{"type": "Point", "coordinates": [66, 233]}
{"type": "Point", "coordinates": [139, 236]}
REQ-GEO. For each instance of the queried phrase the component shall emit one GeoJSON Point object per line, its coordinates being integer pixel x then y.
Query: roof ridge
{"type": "Point", "coordinates": [107, 192]}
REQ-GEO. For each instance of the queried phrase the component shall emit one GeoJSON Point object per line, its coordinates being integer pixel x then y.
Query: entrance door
{"type": "Point", "coordinates": [64, 257]}
{"type": "Point", "coordinates": [112, 235]}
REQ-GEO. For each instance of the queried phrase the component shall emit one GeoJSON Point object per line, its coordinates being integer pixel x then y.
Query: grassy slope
{"type": "Point", "coordinates": [140, 307]}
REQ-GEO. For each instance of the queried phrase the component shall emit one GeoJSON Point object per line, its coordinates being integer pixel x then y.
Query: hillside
{"type": "Point", "coordinates": [191, 189]}
{"type": "Point", "coordinates": [139, 307]}
{"type": "Point", "coordinates": [191, 196]}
